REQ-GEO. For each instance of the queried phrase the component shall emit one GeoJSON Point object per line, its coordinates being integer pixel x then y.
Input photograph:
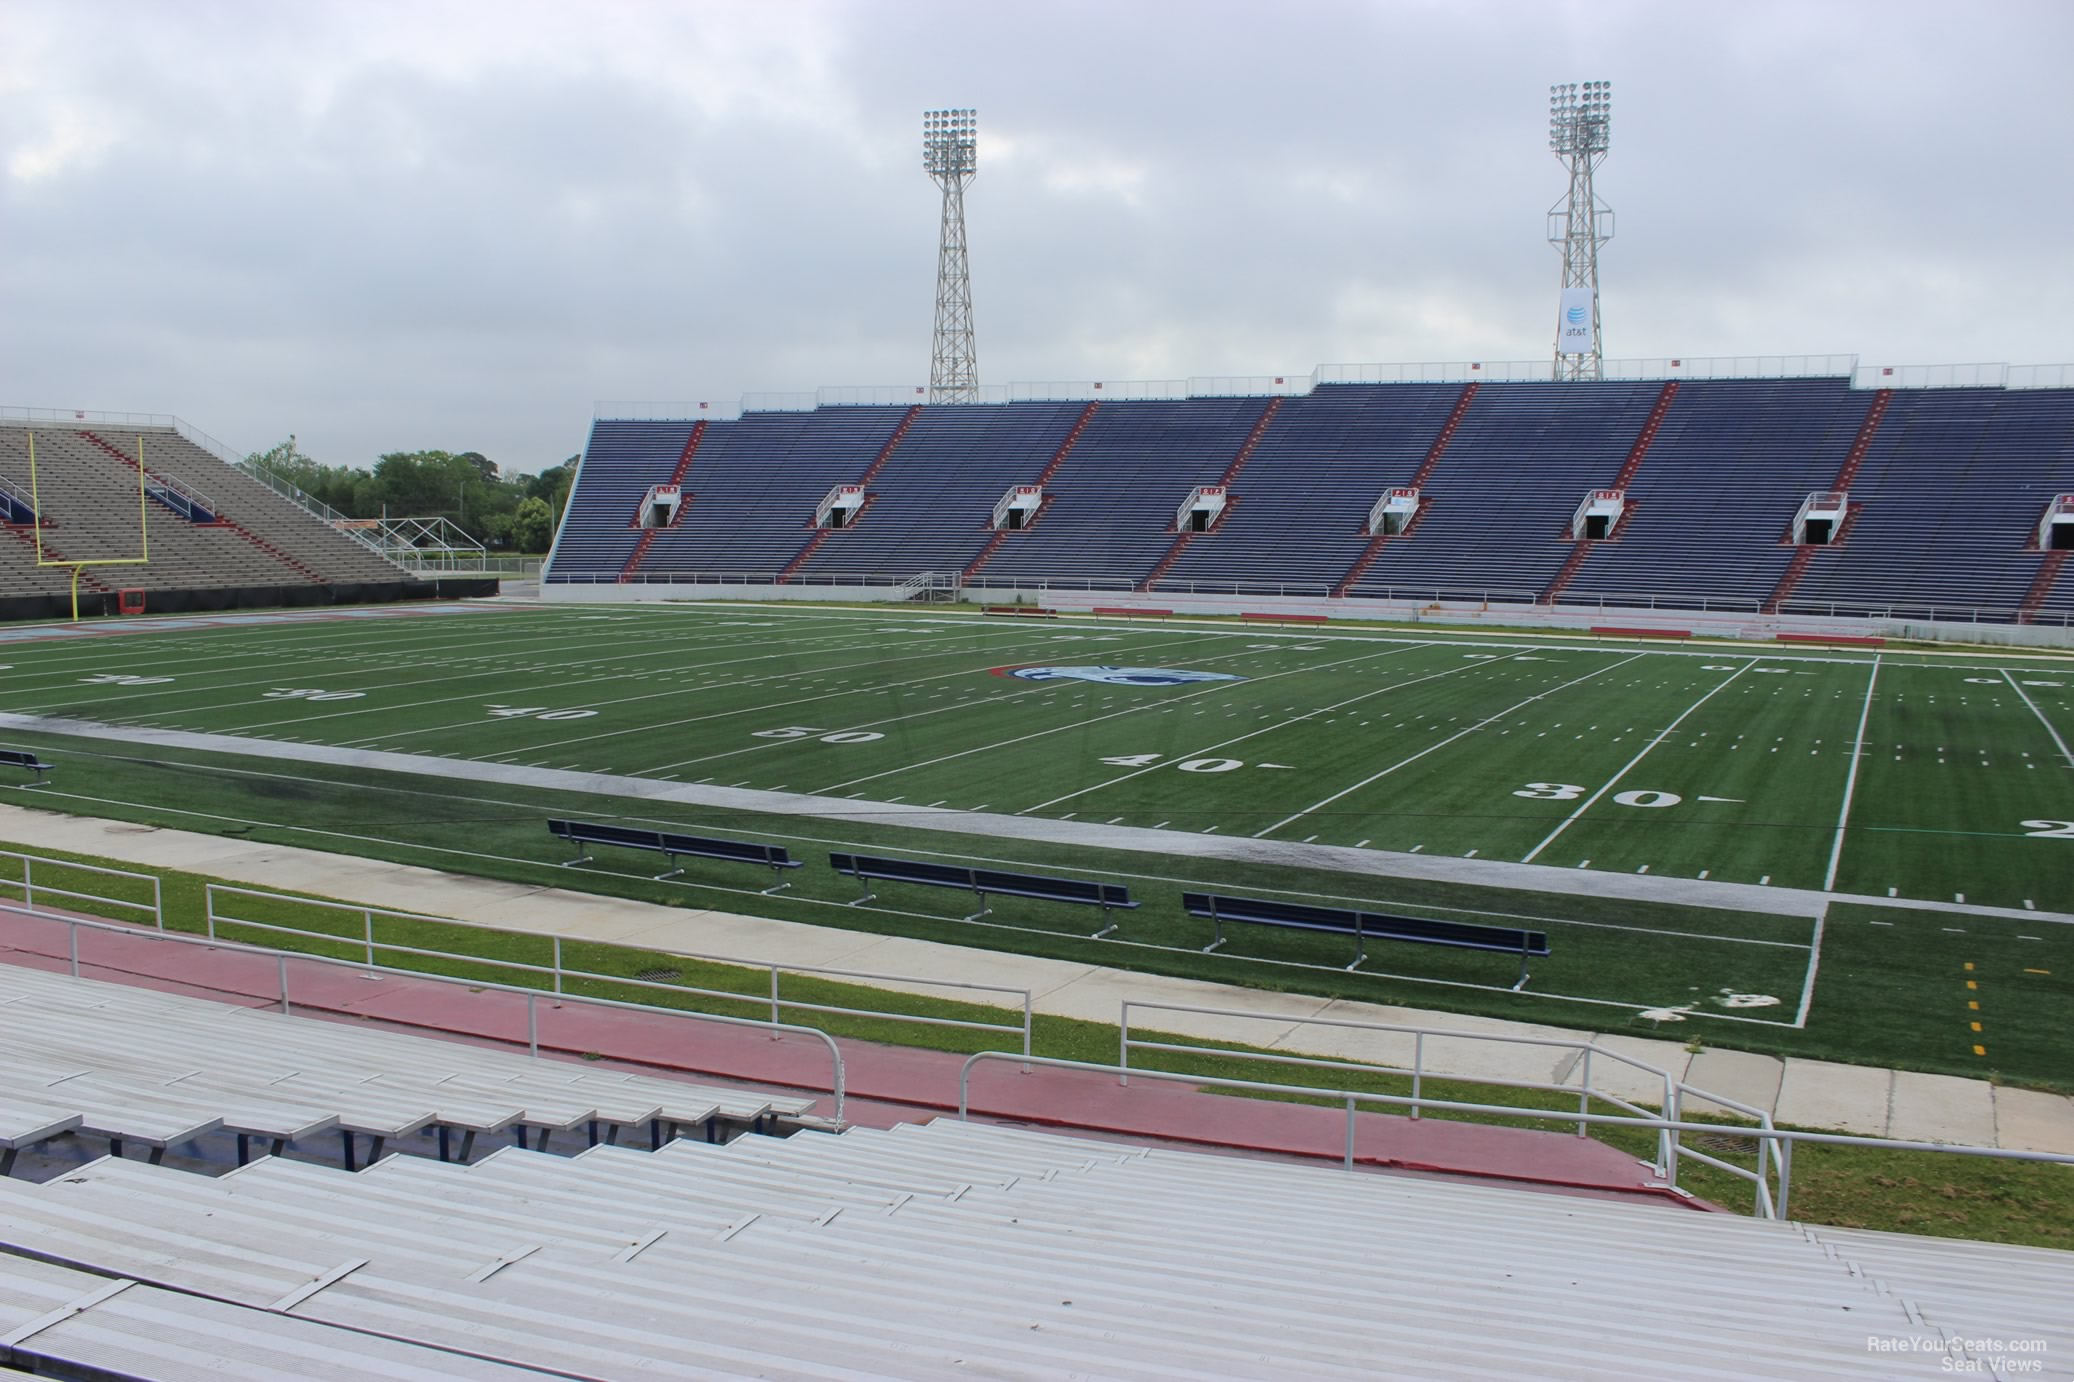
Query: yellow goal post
{"type": "Point", "coordinates": [143, 558]}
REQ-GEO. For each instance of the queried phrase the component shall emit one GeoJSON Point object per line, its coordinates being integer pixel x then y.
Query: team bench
{"type": "Point", "coordinates": [26, 758]}
{"type": "Point", "coordinates": [985, 882]}
{"type": "Point", "coordinates": [1366, 926]}
{"type": "Point", "coordinates": [672, 846]}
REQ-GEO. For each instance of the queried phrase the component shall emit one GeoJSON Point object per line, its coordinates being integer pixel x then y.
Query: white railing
{"type": "Point", "coordinates": [1675, 1090]}
{"type": "Point", "coordinates": [1930, 376]}
{"type": "Point", "coordinates": [2040, 377]}
{"type": "Point", "coordinates": [16, 497]}
{"type": "Point", "coordinates": [187, 494]}
{"type": "Point", "coordinates": [838, 1084]}
{"type": "Point", "coordinates": [27, 888]}
{"type": "Point", "coordinates": [559, 973]}
{"type": "Point", "coordinates": [1536, 371]}
{"type": "Point", "coordinates": [923, 582]}
{"type": "Point", "coordinates": [1773, 1182]}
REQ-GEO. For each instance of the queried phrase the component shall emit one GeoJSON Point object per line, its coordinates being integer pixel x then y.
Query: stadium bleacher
{"type": "Point", "coordinates": [1117, 493]}
{"type": "Point", "coordinates": [937, 1250]}
{"type": "Point", "coordinates": [1317, 472]}
{"type": "Point", "coordinates": [753, 486]}
{"type": "Point", "coordinates": [937, 492]}
{"type": "Point", "coordinates": [1507, 486]}
{"type": "Point", "coordinates": [1952, 489]}
{"type": "Point", "coordinates": [211, 527]}
{"type": "Point", "coordinates": [1945, 498]}
{"type": "Point", "coordinates": [1717, 493]}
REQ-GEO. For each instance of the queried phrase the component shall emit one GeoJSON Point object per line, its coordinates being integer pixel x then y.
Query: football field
{"type": "Point", "coordinates": [1725, 763]}
{"type": "Point", "coordinates": [1694, 772]}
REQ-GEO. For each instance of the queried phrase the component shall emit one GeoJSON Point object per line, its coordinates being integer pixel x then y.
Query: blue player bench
{"type": "Point", "coordinates": [25, 758]}
{"type": "Point", "coordinates": [1366, 926]}
{"type": "Point", "coordinates": [984, 883]}
{"type": "Point", "coordinates": [580, 834]}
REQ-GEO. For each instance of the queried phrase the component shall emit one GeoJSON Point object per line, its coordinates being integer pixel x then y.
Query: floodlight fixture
{"type": "Point", "coordinates": [950, 155]}
{"type": "Point", "coordinates": [1580, 129]}
{"type": "Point", "coordinates": [950, 142]}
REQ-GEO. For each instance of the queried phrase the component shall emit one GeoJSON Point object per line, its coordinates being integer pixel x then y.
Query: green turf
{"type": "Point", "coordinates": [1578, 753]}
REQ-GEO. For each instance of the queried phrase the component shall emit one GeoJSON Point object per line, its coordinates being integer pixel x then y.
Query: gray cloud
{"type": "Point", "coordinates": [381, 225]}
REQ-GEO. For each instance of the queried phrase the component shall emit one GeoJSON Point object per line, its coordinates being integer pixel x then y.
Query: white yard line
{"type": "Point", "coordinates": [1134, 710]}
{"type": "Point", "coordinates": [392, 655]}
{"type": "Point", "coordinates": [1843, 817]}
{"type": "Point", "coordinates": [842, 689]}
{"type": "Point", "coordinates": [1270, 729]}
{"type": "Point", "coordinates": [1614, 781]}
{"type": "Point", "coordinates": [552, 678]}
{"type": "Point", "coordinates": [1407, 762]}
{"type": "Point", "coordinates": [2058, 742]}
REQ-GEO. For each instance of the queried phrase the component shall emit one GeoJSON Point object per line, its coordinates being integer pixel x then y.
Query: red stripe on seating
{"type": "Point", "coordinates": [1133, 613]}
{"type": "Point", "coordinates": [1292, 618]}
{"type": "Point", "coordinates": [1858, 640]}
{"type": "Point", "coordinates": [1642, 633]}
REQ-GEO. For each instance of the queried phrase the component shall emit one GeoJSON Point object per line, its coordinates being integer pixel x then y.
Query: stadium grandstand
{"type": "Point", "coordinates": [1839, 494]}
{"type": "Point", "coordinates": [1832, 494]}
{"type": "Point", "coordinates": [95, 507]}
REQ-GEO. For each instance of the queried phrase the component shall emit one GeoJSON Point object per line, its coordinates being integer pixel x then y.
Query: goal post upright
{"type": "Point", "coordinates": [77, 566]}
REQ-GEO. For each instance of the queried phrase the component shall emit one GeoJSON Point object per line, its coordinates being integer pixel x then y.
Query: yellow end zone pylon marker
{"type": "Point", "coordinates": [143, 527]}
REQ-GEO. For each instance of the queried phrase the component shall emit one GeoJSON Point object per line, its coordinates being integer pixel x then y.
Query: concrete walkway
{"type": "Point", "coordinates": [1821, 1094]}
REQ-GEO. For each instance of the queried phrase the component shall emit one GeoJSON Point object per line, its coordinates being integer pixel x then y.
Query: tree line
{"type": "Point", "coordinates": [517, 513]}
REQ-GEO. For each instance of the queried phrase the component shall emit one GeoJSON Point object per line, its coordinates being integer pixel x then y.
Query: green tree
{"type": "Point", "coordinates": [532, 527]}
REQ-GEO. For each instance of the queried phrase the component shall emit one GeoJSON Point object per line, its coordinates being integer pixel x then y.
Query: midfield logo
{"type": "Point", "coordinates": [1115, 676]}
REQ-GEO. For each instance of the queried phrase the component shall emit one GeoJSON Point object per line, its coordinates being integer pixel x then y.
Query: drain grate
{"type": "Point", "coordinates": [661, 974]}
{"type": "Point", "coordinates": [1723, 1141]}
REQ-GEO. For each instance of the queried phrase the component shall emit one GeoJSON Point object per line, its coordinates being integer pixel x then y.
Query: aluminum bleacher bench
{"type": "Point", "coordinates": [1366, 926]}
{"type": "Point", "coordinates": [583, 833]}
{"type": "Point", "coordinates": [982, 882]}
{"type": "Point", "coordinates": [26, 758]}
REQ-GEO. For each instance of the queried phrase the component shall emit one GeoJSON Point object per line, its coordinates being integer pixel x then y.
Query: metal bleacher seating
{"type": "Point", "coordinates": [937, 492]}
{"type": "Point", "coordinates": [754, 484]}
{"type": "Point", "coordinates": [1303, 499]}
{"type": "Point", "coordinates": [1952, 489]}
{"type": "Point", "coordinates": [622, 460]}
{"type": "Point", "coordinates": [957, 1250]}
{"type": "Point", "coordinates": [88, 492]}
{"type": "Point", "coordinates": [1503, 494]}
{"type": "Point", "coordinates": [1715, 497]}
{"type": "Point", "coordinates": [1946, 499]}
{"type": "Point", "coordinates": [162, 1069]}
{"type": "Point", "coordinates": [1114, 499]}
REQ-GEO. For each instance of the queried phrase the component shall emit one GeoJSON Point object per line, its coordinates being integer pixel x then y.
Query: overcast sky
{"type": "Point", "coordinates": [387, 226]}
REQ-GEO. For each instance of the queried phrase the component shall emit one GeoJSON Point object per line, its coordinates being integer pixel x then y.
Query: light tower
{"type": "Point", "coordinates": [1580, 124]}
{"type": "Point", "coordinates": [950, 140]}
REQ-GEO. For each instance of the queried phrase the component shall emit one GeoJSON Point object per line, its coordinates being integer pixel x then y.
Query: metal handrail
{"type": "Point", "coordinates": [27, 883]}
{"type": "Point", "coordinates": [561, 972]}
{"type": "Point", "coordinates": [1667, 1150]}
{"type": "Point", "coordinates": [1670, 1150]}
{"type": "Point", "coordinates": [17, 494]}
{"type": "Point", "coordinates": [194, 497]}
{"type": "Point", "coordinates": [838, 1083]}
{"type": "Point", "coordinates": [1769, 1206]}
